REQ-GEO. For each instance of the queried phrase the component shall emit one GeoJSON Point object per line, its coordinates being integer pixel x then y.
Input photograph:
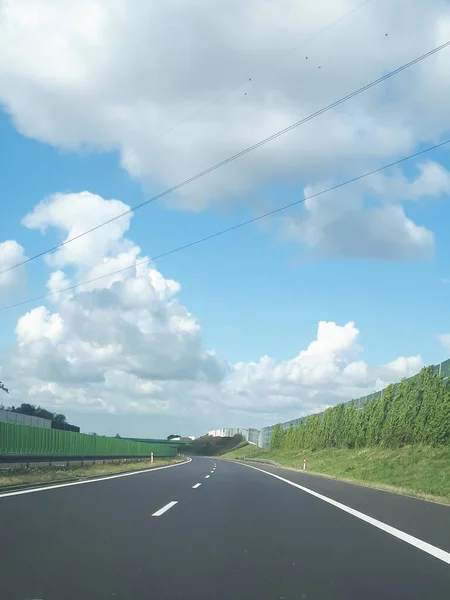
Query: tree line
{"type": "Point", "coordinates": [35, 411]}
{"type": "Point", "coordinates": [32, 410]}
{"type": "Point", "coordinates": [207, 445]}
{"type": "Point", "coordinates": [415, 411]}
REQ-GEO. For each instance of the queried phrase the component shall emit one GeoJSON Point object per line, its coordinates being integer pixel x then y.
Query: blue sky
{"type": "Point", "coordinates": [327, 301]}
{"type": "Point", "coordinates": [249, 292]}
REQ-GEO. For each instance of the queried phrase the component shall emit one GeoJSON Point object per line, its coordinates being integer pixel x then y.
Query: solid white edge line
{"type": "Point", "coordinates": [197, 485]}
{"type": "Point", "coordinates": [401, 535]}
{"type": "Point", "coordinates": [165, 508]}
{"type": "Point", "coordinates": [96, 480]}
{"type": "Point", "coordinates": [207, 476]}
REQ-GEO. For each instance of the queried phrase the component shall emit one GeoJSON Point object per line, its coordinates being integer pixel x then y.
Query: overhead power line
{"type": "Point", "coordinates": [232, 228]}
{"type": "Point", "coordinates": [235, 156]}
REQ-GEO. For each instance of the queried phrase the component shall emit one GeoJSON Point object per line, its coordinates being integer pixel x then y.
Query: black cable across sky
{"type": "Point", "coordinates": [233, 227]}
{"type": "Point", "coordinates": [234, 156]}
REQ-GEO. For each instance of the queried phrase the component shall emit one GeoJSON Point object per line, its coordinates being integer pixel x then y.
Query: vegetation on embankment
{"type": "Point", "coordinates": [418, 471]}
{"type": "Point", "coordinates": [399, 441]}
{"type": "Point", "coordinates": [207, 445]}
{"type": "Point", "coordinates": [414, 412]}
{"type": "Point", "coordinates": [246, 451]}
{"type": "Point", "coordinates": [38, 474]}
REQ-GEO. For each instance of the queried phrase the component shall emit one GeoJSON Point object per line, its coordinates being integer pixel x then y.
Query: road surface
{"type": "Point", "coordinates": [227, 532]}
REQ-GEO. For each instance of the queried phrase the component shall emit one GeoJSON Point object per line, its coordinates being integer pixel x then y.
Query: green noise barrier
{"type": "Point", "coordinates": [37, 441]}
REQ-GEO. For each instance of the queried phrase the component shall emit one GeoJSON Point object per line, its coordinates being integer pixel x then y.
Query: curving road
{"type": "Point", "coordinates": [217, 530]}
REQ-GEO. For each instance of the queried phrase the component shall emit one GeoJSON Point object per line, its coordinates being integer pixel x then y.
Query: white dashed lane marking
{"type": "Point", "coordinates": [164, 509]}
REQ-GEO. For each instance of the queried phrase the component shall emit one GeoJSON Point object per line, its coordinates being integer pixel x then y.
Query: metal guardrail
{"type": "Point", "coordinates": [76, 478]}
{"type": "Point", "coordinates": [26, 460]}
{"type": "Point", "coordinates": [263, 460]}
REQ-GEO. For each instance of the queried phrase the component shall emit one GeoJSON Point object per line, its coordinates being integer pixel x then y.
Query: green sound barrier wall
{"type": "Point", "coordinates": [36, 441]}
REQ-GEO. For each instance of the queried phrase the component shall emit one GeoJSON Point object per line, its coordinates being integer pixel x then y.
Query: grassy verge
{"type": "Point", "coordinates": [45, 474]}
{"type": "Point", "coordinates": [413, 470]}
{"type": "Point", "coordinates": [247, 451]}
{"type": "Point", "coordinates": [235, 449]}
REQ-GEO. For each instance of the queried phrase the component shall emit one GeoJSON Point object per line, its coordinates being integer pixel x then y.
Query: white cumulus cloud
{"type": "Point", "coordinates": [345, 224]}
{"type": "Point", "coordinates": [144, 77]}
{"type": "Point", "coordinates": [329, 371]}
{"type": "Point", "coordinates": [176, 88]}
{"type": "Point", "coordinates": [11, 280]}
{"type": "Point", "coordinates": [127, 346]}
{"type": "Point", "coordinates": [444, 338]}
{"type": "Point", "coordinates": [74, 214]}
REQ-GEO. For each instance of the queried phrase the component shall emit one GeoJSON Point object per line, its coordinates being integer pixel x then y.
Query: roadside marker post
{"type": "Point", "coordinates": [304, 465]}
{"type": "Point", "coordinates": [151, 457]}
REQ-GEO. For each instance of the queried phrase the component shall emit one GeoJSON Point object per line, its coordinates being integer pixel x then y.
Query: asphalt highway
{"type": "Point", "coordinates": [217, 530]}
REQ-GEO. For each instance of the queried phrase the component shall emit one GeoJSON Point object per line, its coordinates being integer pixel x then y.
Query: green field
{"type": "Point", "coordinates": [414, 470]}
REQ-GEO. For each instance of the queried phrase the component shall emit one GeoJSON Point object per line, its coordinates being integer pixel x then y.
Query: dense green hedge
{"type": "Point", "coordinates": [416, 411]}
